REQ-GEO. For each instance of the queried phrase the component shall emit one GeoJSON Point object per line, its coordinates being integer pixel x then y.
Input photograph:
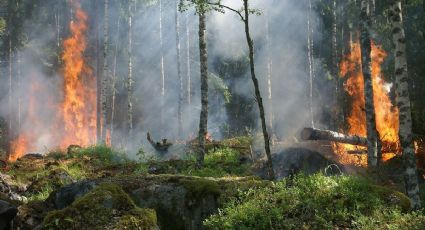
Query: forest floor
{"type": "Point", "coordinates": [100, 188]}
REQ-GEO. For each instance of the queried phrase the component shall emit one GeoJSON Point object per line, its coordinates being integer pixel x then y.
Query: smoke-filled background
{"type": "Point", "coordinates": [280, 37]}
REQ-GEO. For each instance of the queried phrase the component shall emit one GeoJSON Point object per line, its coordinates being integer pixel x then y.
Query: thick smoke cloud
{"type": "Point", "coordinates": [226, 40]}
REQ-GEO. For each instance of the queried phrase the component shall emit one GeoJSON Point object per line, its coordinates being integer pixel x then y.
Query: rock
{"type": "Point", "coordinates": [105, 207]}
{"type": "Point", "coordinates": [10, 190]}
{"type": "Point", "coordinates": [69, 193]}
{"type": "Point", "coordinates": [7, 214]}
{"type": "Point", "coordinates": [180, 202]}
{"type": "Point", "coordinates": [296, 160]}
{"type": "Point", "coordinates": [56, 178]}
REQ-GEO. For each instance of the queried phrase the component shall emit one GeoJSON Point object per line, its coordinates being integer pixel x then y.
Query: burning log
{"type": "Point", "coordinates": [328, 135]}
{"type": "Point", "coordinates": [162, 146]}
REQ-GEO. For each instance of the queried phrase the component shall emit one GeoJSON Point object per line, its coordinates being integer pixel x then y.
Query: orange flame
{"type": "Point", "coordinates": [79, 105]}
{"type": "Point", "coordinates": [75, 122]}
{"type": "Point", "coordinates": [386, 114]}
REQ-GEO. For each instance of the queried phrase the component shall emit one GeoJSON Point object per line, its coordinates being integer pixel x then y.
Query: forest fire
{"type": "Point", "coordinates": [79, 106]}
{"type": "Point", "coordinates": [386, 113]}
{"type": "Point", "coordinates": [75, 115]}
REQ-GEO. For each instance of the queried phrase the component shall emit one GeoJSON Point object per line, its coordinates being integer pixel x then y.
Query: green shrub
{"type": "Point", "coordinates": [315, 202]}
{"type": "Point", "coordinates": [102, 153]}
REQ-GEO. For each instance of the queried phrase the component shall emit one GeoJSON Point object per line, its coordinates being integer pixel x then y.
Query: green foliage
{"type": "Point", "coordinates": [103, 154]}
{"type": "Point", "coordinates": [316, 202]}
{"type": "Point", "coordinates": [104, 206]}
{"type": "Point", "coordinates": [2, 26]}
{"type": "Point", "coordinates": [220, 163]}
{"type": "Point", "coordinates": [219, 86]}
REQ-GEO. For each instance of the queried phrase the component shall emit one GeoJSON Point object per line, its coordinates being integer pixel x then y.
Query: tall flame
{"type": "Point", "coordinates": [386, 114]}
{"type": "Point", "coordinates": [79, 105]}
{"type": "Point", "coordinates": [75, 121]}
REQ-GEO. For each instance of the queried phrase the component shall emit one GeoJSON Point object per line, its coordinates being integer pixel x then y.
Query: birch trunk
{"type": "Point", "coordinates": [335, 67]}
{"type": "Point", "coordinates": [310, 64]}
{"type": "Point", "coordinates": [114, 80]}
{"type": "Point", "coordinates": [374, 150]}
{"type": "Point", "coordinates": [179, 72]}
{"type": "Point", "coordinates": [161, 43]}
{"type": "Point", "coordinates": [18, 87]}
{"type": "Point", "coordinates": [269, 75]}
{"type": "Point", "coordinates": [403, 103]}
{"type": "Point", "coordinates": [10, 62]}
{"type": "Point", "coordinates": [188, 87]}
{"type": "Point", "coordinates": [98, 77]}
{"type": "Point", "coordinates": [203, 121]}
{"type": "Point", "coordinates": [257, 92]}
{"type": "Point", "coordinates": [105, 71]}
{"type": "Point", "coordinates": [130, 72]}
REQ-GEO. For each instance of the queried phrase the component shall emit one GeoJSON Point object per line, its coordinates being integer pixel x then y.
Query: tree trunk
{"type": "Point", "coordinates": [105, 71]}
{"type": "Point", "coordinates": [161, 44]}
{"type": "Point", "coordinates": [98, 76]}
{"type": "Point", "coordinates": [130, 72]}
{"type": "Point", "coordinates": [257, 92]}
{"type": "Point", "coordinates": [334, 68]}
{"type": "Point", "coordinates": [403, 103]}
{"type": "Point", "coordinates": [179, 72]}
{"type": "Point", "coordinates": [10, 62]}
{"type": "Point", "coordinates": [114, 80]}
{"type": "Point", "coordinates": [203, 121]}
{"type": "Point", "coordinates": [310, 63]}
{"type": "Point", "coordinates": [188, 87]}
{"type": "Point", "coordinates": [269, 74]}
{"type": "Point", "coordinates": [18, 87]}
{"type": "Point", "coordinates": [374, 150]}
{"type": "Point", "coordinates": [311, 134]}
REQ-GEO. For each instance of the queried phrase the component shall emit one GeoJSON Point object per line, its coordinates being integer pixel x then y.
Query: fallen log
{"type": "Point", "coordinates": [328, 135]}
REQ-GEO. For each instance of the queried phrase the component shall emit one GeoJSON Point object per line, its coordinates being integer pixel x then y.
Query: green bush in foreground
{"type": "Point", "coordinates": [318, 202]}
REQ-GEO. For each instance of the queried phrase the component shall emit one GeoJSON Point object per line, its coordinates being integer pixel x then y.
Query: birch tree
{"type": "Point", "coordinates": [179, 72]}
{"type": "Point", "coordinates": [244, 16]}
{"type": "Point", "coordinates": [130, 71]}
{"type": "Point", "coordinates": [403, 103]}
{"type": "Point", "coordinates": [105, 71]}
{"type": "Point", "coordinates": [374, 150]}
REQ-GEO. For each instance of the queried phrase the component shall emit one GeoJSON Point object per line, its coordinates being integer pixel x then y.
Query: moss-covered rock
{"type": "Point", "coordinates": [102, 208]}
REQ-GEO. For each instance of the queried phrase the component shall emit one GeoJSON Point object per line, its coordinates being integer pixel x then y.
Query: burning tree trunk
{"type": "Point", "coordinates": [130, 72]}
{"type": "Point", "coordinates": [327, 135]}
{"type": "Point", "coordinates": [310, 63]}
{"type": "Point", "coordinates": [179, 72]}
{"type": "Point", "coordinates": [204, 85]}
{"type": "Point", "coordinates": [374, 150]}
{"type": "Point", "coordinates": [403, 103]}
{"type": "Point", "coordinates": [104, 72]}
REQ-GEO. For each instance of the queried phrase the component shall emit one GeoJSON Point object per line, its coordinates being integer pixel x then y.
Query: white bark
{"type": "Point", "coordinates": [403, 103]}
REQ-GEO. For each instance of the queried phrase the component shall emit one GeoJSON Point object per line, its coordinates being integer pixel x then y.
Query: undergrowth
{"type": "Point", "coordinates": [318, 202]}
